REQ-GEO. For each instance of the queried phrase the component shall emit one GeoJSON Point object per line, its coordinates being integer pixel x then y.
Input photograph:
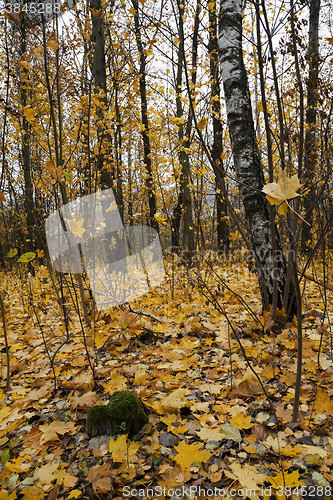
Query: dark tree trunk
{"type": "Point", "coordinates": [245, 150]}
{"type": "Point", "coordinates": [28, 189]}
{"type": "Point", "coordinates": [184, 202]}
{"type": "Point", "coordinates": [217, 147]}
{"type": "Point", "coordinates": [118, 153]}
{"type": "Point", "coordinates": [145, 124]}
{"type": "Point", "coordinates": [99, 76]}
{"type": "Point", "coordinates": [311, 119]}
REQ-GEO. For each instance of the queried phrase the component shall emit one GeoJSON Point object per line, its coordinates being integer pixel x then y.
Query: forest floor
{"type": "Point", "coordinates": [212, 431]}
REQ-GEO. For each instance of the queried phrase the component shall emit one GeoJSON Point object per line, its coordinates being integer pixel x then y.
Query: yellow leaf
{"type": "Point", "coordinates": [60, 476]}
{"type": "Point", "coordinates": [190, 454]}
{"type": "Point", "coordinates": [51, 431]}
{"type": "Point", "coordinates": [5, 412]}
{"type": "Point", "coordinates": [115, 383]}
{"type": "Point", "coordinates": [173, 401]}
{"type": "Point", "coordinates": [44, 476]}
{"type": "Point", "coordinates": [202, 123]}
{"type": "Point", "coordinates": [122, 451]}
{"type": "Point", "coordinates": [20, 464]}
{"type": "Point", "coordinates": [76, 226]}
{"type": "Point", "coordinates": [169, 420]}
{"type": "Point", "coordinates": [100, 478]}
{"type": "Point", "coordinates": [160, 219]}
{"type": "Point", "coordinates": [176, 41]}
{"type": "Point", "coordinates": [285, 189]}
{"type": "Point", "coordinates": [33, 493]}
{"type": "Point", "coordinates": [207, 433]}
{"type": "Point", "coordinates": [52, 42]}
{"type": "Point", "coordinates": [313, 450]}
{"type": "Point", "coordinates": [56, 172]}
{"type": "Point", "coordinates": [241, 421]}
{"type": "Point", "coordinates": [323, 403]}
{"type": "Point", "coordinates": [29, 113]}
{"type": "Point", "coordinates": [260, 107]}
{"type": "Point", "coordinates": [75, 494]}
{"type": "Point", "coordinates": [85, 401]}
{"type": "Point", "coordinates": [26, 65]}
{"type": "Point", "coordinates": [112, 207]}
{"type": "Point", "coordinates": [70, 481]}
{"type": "Point", "coordinates": [247, 475]}
{"type": "Point", "coordinates": [211, 388]}
{"type": "Point", "coordinates": [6, 496]}
{"type": "Point", "coordinates": [284, 479]}
{"type": "Point", "coordinates": [132, 11]}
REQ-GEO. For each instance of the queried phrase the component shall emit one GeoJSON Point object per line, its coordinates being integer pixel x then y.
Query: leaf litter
{"type": "Point", "coordinates": [210, 424]}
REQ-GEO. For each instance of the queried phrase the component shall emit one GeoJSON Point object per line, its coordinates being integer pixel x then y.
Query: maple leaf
{"type": "Point", "coordinates": [33, 493]}
{"type": "Point", "coordinates": [52, 42]}
{"type": "Point", "coordinates": [130, 321]}
{"type": "Point", "coordinates": [323, 403]}
{"type": "Point", "coordinates": [190, 454]}
{"type": "Point", "coordinates": [283, 479]}
{"type": "Point", "coordinates": [84, 401]}
{"type": "Point", "coordinates": [285, 189]}
{"type": "Point", "coordinates": [29, 113]}
{"type": "Point", "coordinates": [52, 431]}
{"type": "Point", "coordinates": [172, 402]}
{"type": "Point", "coordinates": [115, 383]}
{"type": "Point", "coordinates": [70, 481]}
{"type": "Point", "coordinates": [211, 388]}
{"type": "Point", "coordinates": [247, 475]}
{"type": "Point", "coordinates": [44, 476]}
{"type": "Point", "coordinates": [241, 422]}
{"type": "Point", "coordinates": [160, 218]}
{"type": "Point", "coordinates": [210, 434]}
{"type": "Point", "coordinates": [121, 451]}
{"type": "Point", "coordinates": [26, 65]}
{"type": "Point", "coordinates": [56, 172]}
{"type": "Point", "coordinates": [100, 478]}
{"type": "Point", "coordinates": [202, 123]}
{"type": "Point", "coordinates": [75, 494]}
{"type": "Point", "coordinates": [76, 226]}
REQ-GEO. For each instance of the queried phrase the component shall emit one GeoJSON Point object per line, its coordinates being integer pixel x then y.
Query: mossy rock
{"type": "Point", "coordinates": [124, 414]}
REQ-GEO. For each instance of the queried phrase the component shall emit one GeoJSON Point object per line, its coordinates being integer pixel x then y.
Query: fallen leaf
{"type": "Point", "coordinates": [190, 454]}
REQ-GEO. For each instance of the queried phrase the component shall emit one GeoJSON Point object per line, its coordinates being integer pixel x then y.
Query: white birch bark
{"type": "Point", "coordinates": [245, 149]}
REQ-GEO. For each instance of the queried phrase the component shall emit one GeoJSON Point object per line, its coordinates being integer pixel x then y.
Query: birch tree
{"type": "Point", "coordinates": [268, 255]}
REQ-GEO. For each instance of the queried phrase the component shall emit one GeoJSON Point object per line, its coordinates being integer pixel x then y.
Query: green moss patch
{"type": "Point", "coordinates": [124, 414]}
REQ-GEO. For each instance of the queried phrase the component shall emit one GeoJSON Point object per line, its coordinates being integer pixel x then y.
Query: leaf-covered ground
{"type": "Point", "coordinates": [212, 432]}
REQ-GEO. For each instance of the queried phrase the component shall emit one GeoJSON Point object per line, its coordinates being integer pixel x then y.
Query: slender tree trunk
{"type": "Point", "coordinates": [217, 147]}
{"type": "Point", "coordinates": [99, 76]}
{"type": "Point", "coordinates": [311, 119]}
{"type": "Point", "coordinates": [145, 124]}
{"type": "Point", "coordinates": [29, 203]}
{"type": "Point", "coordinates": [184, 202]}
{"type": "Point", "coordinates": [118, 152]}
{"type": "Point", "coordinates": [245, 150]}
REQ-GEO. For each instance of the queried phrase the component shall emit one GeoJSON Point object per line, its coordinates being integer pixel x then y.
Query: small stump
{"type": "Point", "coordinates": [124, 414]}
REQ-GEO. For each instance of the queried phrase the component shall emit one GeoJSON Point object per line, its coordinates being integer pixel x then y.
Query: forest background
{"type": "Point", "coordinates": [212, 125]}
